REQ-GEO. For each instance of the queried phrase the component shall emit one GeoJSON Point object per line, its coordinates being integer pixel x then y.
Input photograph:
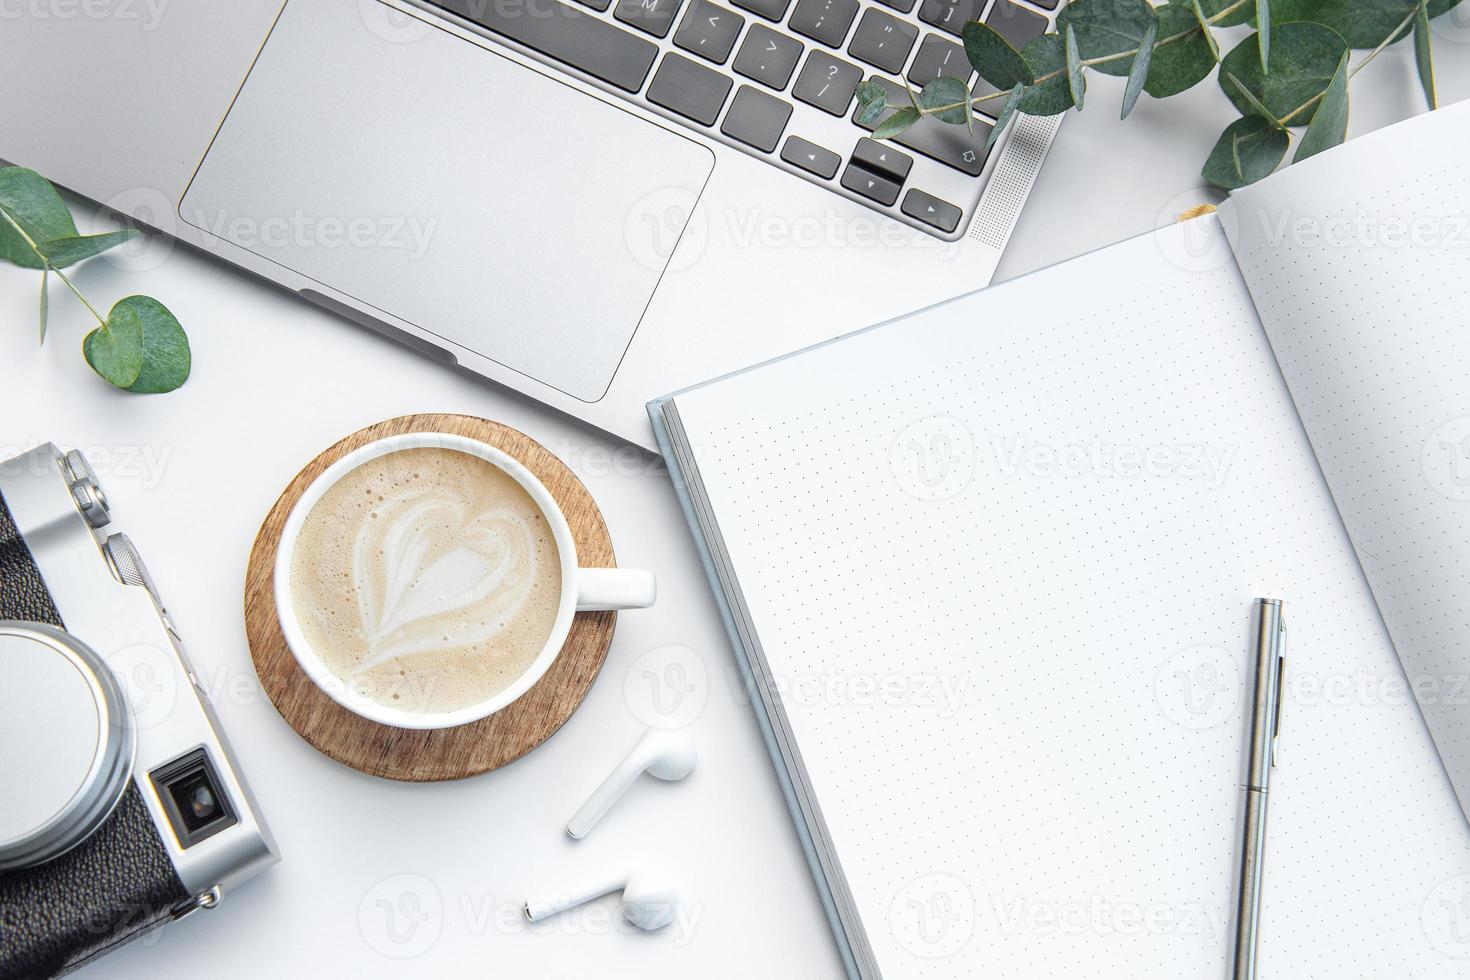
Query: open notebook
{"type": "Point", "coordinates": [989, 570]}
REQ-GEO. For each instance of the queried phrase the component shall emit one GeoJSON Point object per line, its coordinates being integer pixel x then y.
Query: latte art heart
{"type": "Point", "coordinates": [426, 579]}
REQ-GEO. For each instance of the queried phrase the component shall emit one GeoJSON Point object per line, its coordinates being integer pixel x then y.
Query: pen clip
{"type": "Point", "coordinates": [1280, 693]}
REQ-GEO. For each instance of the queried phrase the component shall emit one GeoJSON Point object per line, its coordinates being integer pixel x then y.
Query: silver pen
{"type": "Point", "coordinates": [1265, 726]}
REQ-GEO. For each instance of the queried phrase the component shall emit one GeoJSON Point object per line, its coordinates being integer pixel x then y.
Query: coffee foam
{"type": "Point", "coordinates": [426, 579]}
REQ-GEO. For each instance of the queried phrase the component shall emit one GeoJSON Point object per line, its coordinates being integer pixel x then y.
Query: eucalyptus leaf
{"type": "Point", "coordinates": [1263, 31]}
{"type": "Point", "coordinates": [1139, 73]}
{"type": "Point", "coordinates": [994, 58]}
{"type": "Point", "coordinates": [143, 348]}
{"type": "Point", "coordinates": [1182, 57]}
{"type": "Point", "coordinates": [947, 91]}
{"type": "Point", "coordinates": [1254, 102]}
{"type": "Point", "coordinates": [1107, 28]}
{"type": "Point", "coordinates": [1076, 81]}
{"type": "Point", "coordinates": [873, 99]}
{"type": "Point", "coordinates": [1362, 23]}
{"type": "Point", "coordinates": [1422, 56]}
{"type": "Point", "coordinates": [30, 201]}
{"type": "Point", "coordinates": [1204, 26]}
{"type": "Point", "coordinates": [1329, 123]}
{"type": "Point", "coordinates": [1240, 13]}
{"type": "Point", "coordinates": [1249, 149]}
{"type": "Point", "coordinates": [63, 252]}
{"type": "Point", "coordinates": [896, 123]}
{"type": "Point", "coordinates": [1045, 57]}
{"type": "Point", "coordinates": [1007, 110]}
{"type": "Point", "coordinates": [1304, 58]}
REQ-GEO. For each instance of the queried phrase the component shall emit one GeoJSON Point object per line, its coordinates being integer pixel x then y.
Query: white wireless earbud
{"type": "Point", "coordinates": [663, 754]}
{"type": "Point", "coordinates": [649, 900]}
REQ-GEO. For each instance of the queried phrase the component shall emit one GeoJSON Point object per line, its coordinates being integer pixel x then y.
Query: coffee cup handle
{"type": "Point", "coordinates": [614, 588]}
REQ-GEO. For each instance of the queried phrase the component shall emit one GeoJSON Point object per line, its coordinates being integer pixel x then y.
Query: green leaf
{"type": "Point", "coordinates": [1243, 14]}
{"type": "Point", "coordinates": [1254, 102]}
{"type": "Point", "coordinates": [1007, 110]}
{"type": "Point", "coordinates": [1329, 123]}
{"type": "Point", "coordinates": [1076, 83]}
{"type": "Point", "coordinates": [873, 99]}
{"type": "Point", "coordinates": [142, 350]}
{"type": "Point", "coordinates": [45, 302]}
{"type": "Point", "coordinates": [1422, 56]}
{"type": "Point", "coordinates": [31, 201]}
{"type": "Point", "coordinates": [1106, 28]}
{"type": "Point", "coordinates": [1304, 58]}
{"type": "Point", "coordinates": [1263, 31]}
{"type": "Point", "coordinates": [1044, 56]}
{"type": "Point", "coordinates": [1204, 26]}
{"type": "Point", "coordinates": [947, 91]}
{"type": "Point", "coordinates": [1180, 64]}
{"type": "Point", "coordinates": [994, 58]}
{"type": "Point", "coordinates": [1362, 23]}
{"type": "Point", "coordinates": [69, 251]}
{"type": "Point", "coordinates": [1139, 74]}
{"type": "Point", "coordinates": [1249, 149]}
{"type": "Point", "coordinates": [896, 123]}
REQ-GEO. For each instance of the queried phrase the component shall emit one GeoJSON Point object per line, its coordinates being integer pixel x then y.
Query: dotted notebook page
{"type": "Point", "coordinates": [1359, 262]}
{"type": "Point", "coordinates": [1000, 556]}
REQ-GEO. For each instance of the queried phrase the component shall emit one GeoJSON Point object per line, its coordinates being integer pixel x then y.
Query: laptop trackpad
{"type": "Point", "coordinates": [448, 186]}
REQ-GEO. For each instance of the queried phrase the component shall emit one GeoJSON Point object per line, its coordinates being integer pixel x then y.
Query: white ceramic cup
{"type": "Point", "coordinates": [582, 589]}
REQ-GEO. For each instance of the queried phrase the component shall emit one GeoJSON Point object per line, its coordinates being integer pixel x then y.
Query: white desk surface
{"type": "Point", "coordinates": [384, 879]}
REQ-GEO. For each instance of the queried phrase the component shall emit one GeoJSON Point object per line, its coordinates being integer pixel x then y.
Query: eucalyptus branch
{"type": "Point", "coordinates": [51, 268]}
{"type": "Point", "coordinates": [1356, 68]}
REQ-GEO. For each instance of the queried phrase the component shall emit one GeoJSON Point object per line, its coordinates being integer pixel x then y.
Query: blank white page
{"type": "Point", "coordinates": [1001, 556]}
{"type": "Point", "coordinates": [1359, 263]}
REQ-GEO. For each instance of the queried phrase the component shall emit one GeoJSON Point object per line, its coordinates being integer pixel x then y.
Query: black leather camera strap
{"type": "Point", "coordinates": [23, 593]}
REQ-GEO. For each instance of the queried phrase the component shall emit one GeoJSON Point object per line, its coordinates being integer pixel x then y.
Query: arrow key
{"type": "Point", "coordinates": [810, 157]}
{"type": "Point", "coordinates": [931, 210]}
{"type": "Point", "coordinates": [883, 158]}
{"type": "Point", "coordinates": [873, 186]}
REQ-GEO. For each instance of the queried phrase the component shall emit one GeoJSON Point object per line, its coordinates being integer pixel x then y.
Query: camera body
{"type": "Point", "coordinates": [121, 805]}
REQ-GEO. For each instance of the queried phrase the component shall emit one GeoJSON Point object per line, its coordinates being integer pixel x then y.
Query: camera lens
{"type": "Point", "coordinates": [192, 796]}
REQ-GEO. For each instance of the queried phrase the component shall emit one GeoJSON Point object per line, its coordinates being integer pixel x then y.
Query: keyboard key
{"type": "Point", "coordinates": [991, 107]}
{"type": "Point", "coordinates": [824, 20]}
{"type": "Point", "coordinates": [931, 210]}
{"type": "Point", "coordinates": [565, 33]}
{"type": "Point", "coordinates": [709, 31]}
{"type": "Point", "coordinates": [938, 57]}
{"type": "Point", "coordinates": [756, 119]}
{"type": "Point", "coordinates": [827, 83]}
{"type": "Point", "coordinates": [653, 16]}
{"type": "Point", "coordinates": [769, 57]}
{"type": "Point", "coordinates": [689, 88]}
{"type": "Point", "coordinates": [810, 157]}
{"type": "Point", "coordinates": [883, 40]}
{"type": "Point", "coordinates": [875, 187]}
{"type": "Point", "coordinates": [1016, 24]}
{"type": "Point", "coordinates": [882, 159]}
{"type": "Point", "coordinates": [950, 15]}
{"type": "Point", "coordinates": [946, 142]}
{"type": "Point", "coordinates": [1046, 4]}
{"type": "Point", "coordinates": [902, 6]}
{"type": "Point", "coordinates": [596, 4]}
{"type": "Point", "coordinates": [769, 9]}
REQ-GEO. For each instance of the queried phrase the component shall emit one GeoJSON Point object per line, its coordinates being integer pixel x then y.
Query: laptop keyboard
{"type": "Point", "coordinates": [777, 78]}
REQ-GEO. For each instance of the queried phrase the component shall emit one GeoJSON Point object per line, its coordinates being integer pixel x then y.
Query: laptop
{"type": "Point", "coordinates": [593, 202]}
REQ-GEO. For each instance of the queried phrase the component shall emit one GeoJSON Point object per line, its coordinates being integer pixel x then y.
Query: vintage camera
{"type": "Point", "coordinates": [121, 806]}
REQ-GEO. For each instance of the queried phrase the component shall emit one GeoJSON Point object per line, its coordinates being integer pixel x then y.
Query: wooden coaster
{"type": "Point", "coordinates": [451, 753]}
